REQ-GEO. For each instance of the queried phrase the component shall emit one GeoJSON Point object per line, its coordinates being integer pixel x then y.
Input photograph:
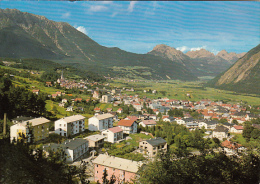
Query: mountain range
{"type": "Point", "coordinates": [200, 62]}
{"type": "Point", "coordinates": [243, 76]}
{"type": "Point", "coordinates": [25, 35]}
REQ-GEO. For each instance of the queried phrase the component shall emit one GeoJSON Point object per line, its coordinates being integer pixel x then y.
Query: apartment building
{"type": "Point", "coordinates": [70, 125]}
{"type": "Point", "coordinates": [100, 122]}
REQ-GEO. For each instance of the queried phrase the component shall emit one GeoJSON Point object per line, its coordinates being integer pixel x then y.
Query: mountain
{"type": "Point", "coordinates": [25, 35]}
{"type": "Point", "coordinates": [231, 57]}
{"type": "Point", "coordinates": [243, 76]}
{"type": "Point", "coordinates": [200, 62]}
{"type": "Point", "coordinates": [202, 53]}
{"type": "Point", "coordinates": [170, 53]}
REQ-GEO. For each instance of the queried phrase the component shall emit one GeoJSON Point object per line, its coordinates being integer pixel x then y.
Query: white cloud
{"type": "Point", "coordinates": [65, 15]}
{"type": "Point", "coordinates": [214, 51]}
{"type": "Point", "coordinates": [82, 29]}
{"type": "Point", "coordinates": [114, 14]}
{"type": "Point", "coordinates": [97, 8]}
{"type": "Point", "coordinates": [198, 48]}
{"type": "Point", "coordinates": [183, 48]}
{"type": "Point", "coordinates": [131, 6]}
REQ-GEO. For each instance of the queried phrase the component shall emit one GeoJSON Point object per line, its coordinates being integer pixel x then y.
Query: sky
{"type": "Point", "coordinates": [138, 26]}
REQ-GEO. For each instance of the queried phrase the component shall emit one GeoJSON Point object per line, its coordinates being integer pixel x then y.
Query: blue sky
{"type": "Point", "coordinates": [140, 25]}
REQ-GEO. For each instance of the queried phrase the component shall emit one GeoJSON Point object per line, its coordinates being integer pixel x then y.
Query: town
{"type": "Point", "coordinates": [137, 125]}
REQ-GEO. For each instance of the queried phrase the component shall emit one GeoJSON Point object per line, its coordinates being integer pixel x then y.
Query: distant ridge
{"type": "Point", "coordinates": [200, 62]}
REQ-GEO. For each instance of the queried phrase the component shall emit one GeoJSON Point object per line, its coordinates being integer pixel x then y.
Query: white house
{"type": "Point", "coordinates": [137, 106]}
{"type": "Point", "coordinates": [74, 148]}
{"type": "Point", "coordinates": [220, 132]}
{"type": "Point", "coordinates": [70, 125]}
{"type": "Point", "coordinates": [128, 126]}
{"type": "Point", "coordinates": [113, 134]}
{"type": "Point", "coordinates": [106, 98]}
{"type": "Point", "coordinates": [100, 122]}
{"type": "Point", "coordinates": [180, 121]}
{"type": "Point", "coordinates": [237, 129]}
{"type": "Point", "coordinates": [148, 123]}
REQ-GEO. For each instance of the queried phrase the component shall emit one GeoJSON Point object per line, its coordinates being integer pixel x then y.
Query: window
{"type": "Point", "coordinates": [64, 125]}
{"type": "Point", "coordinates": [60, 125]}
{"type": "Point", "coordinates": [97, 165]}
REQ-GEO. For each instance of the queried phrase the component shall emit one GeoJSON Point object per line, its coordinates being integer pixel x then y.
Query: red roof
{"type": "Point", "coordinates": [132, 118]}
{"type": "Point", "coordinates": [96, 109]}
{"type": "Point", "coordinates": [115, 129]}
{"type": "Point", "coordinates": [125, 122]}
{"type": "Point", "coordinates": [238, 127]}
{"type": "Point", "coordinates": [149, 122]}
{"type": "Point", "coordinates": [229, 144]}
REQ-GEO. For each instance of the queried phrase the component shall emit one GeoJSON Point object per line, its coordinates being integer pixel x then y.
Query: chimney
{"type": "Point", "coordinates": [4, 128]}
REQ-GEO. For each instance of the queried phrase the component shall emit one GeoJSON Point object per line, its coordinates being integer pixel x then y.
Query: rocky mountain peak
{"type": "Point", "coordinates": [200, 53]}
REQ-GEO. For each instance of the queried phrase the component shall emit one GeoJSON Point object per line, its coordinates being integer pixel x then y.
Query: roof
{"type": "Point", "coordinates": [221, 129]}
{"type": "Point", "coordinates": [132, 118]}
{"type": "Point", "coordinates": [115, 129]}
{"type": "Point", "coordinates": [229, 144]}
{"type": "Point", "coordinates": [125, 122]}
{"type": "Point", "coordinates": [68, 144]}
{"type": "Point", "coordinates": [73, 118]}
{"type": "Point", "coordinates": [149, 122]}
{"type": "Point", "coordinates": [118, 163]}
{"type": "Point", "coordinates": [74, 143]}
{"type": "Point", "coordinates": [156, 141]}
{"type": "Point", "coordinates": [38, 121]}
{"type": "Point", "coordinates": [104, 116]}
{"type": "Point", "coordinates": [238, 127]}
{"type": "Point", "coordinates": [95, 137]}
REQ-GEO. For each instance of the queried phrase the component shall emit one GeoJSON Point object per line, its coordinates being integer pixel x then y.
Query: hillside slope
{"type": "Point", "coordinates": [243, 76]}
{"type": "Point", "coordinates": [25, 35]}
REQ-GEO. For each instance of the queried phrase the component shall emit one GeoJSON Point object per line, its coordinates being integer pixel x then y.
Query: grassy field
{"type": "Point", "coordinates": [179, 90]}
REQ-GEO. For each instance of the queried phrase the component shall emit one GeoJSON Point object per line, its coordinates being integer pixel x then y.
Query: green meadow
{"type": "Point", "coordinates": [179, 90]}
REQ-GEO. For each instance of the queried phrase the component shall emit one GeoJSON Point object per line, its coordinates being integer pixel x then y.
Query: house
{"type": "Point", "coordinates": [120, 110]}
{"type": "Point", "coordinates": [100, 122]}
{"type": "Point", "coordinates": [97, 109]}
{"type": "Point", "coordinates": [230, 148]}
{"type": "Point", "coordinates": [137, 106]}
{"type": "Point", "coordinates": [106, 98]}
{"type": "Point", "coordinates": [113, 134]}
{"type": "Point", "coordinates": [95, 141]}
{"type": "Point", "coordinates": [148, 123]}
{"type": "Point", "coordinates": [33, 129]}
{"type": "Point", "coordinates": [208, 124]}
{"type": "Point", "coordinates": [96, 95]}
{"type": "Point", "coordinates": [192, 125]}
{"type": "Point", "coordinates": [180, 121]}
{"type": "Point", "coordinates": [70, 108]}
{"type": "Point", "coordinates": [152, 146]}
{"type": "Point", "coordinates": [48, 84]}
{"type": "Point", "coordinates": [124, 170]}
{"type": "Point", "coordinates": [128, 126]}
{"type": "Point", "coordinates": [36, 91]}
{"type": "Point", "coordinates": [70, 125]}
{"type": "Point", "coordinates": [237, 129]}
{"type": "Point", "coordinates": [169, 119]}
{"type": "Point", "coordinates": [220, 132]}
{"type": "Point", "coordinates": [73, 148]}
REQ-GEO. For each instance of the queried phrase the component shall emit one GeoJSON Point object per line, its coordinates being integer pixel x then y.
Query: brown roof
{"type": "Point", "coordinates": [229, 144]}
{"type": "Point", "coordinates": [221, 129]}
{"type": "Point", "coordinates": [132, 118]}
{"type": "Point", "coordinates": [115, 129]}
{"type": "Point", "coordinates": [125, 122]}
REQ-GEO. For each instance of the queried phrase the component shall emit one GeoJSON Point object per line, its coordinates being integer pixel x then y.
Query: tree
{"type": "Point", "coordinates": [247, 132]}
